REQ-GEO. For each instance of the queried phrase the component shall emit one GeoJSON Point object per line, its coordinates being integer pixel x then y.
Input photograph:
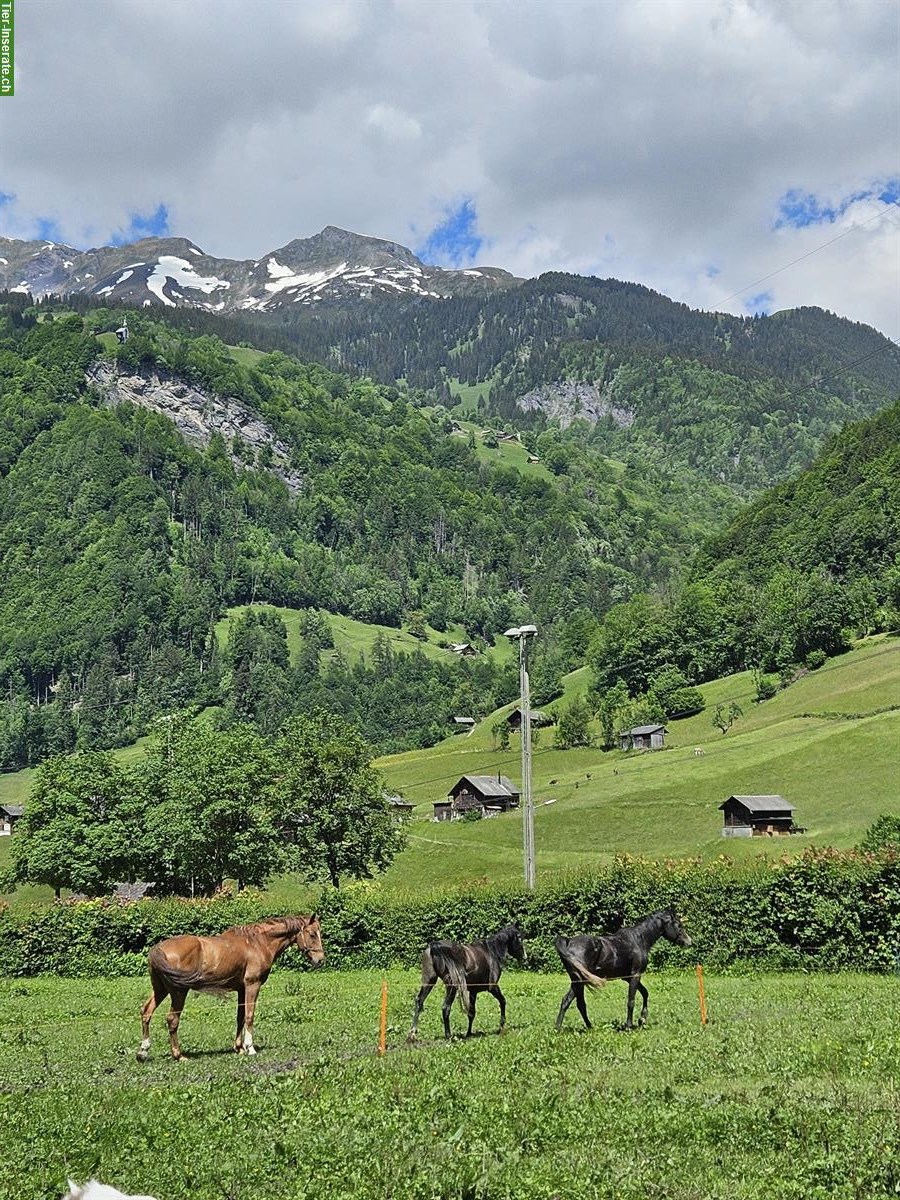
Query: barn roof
{"type": "Point", "coordinates": [490, 785]}
{"type": "Point", "coordinates": [762, 803]}
{"type": "Point", "coordinates": [13, 810]}
{"type": "Point", "coordinates": [646, 729]}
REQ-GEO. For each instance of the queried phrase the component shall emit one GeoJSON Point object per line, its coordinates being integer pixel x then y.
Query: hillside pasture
{"type": "Point", "coordinates": [355, 639]}
{"type": "Point", "coordinates": [829, 743]}
{"type": "Point", "coordinates": [790, 1091]}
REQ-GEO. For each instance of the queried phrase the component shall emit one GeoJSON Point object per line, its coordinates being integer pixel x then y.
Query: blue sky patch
{"type": "Point", "coordinates": [140, 226]}
{"type": "Point", "coordinates": [48, 230]}
{"type": "Point", "coordinates": [797, 209]}
{"type": "Point", "coordinates": [760, 303]}
{"type": "Point", "coordinates": [455, 242]}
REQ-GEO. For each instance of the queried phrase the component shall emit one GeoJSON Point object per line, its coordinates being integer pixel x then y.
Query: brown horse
{"type": "Point", "coordinates": [238, 960]}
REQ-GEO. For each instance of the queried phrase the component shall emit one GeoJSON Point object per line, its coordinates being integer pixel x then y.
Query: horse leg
{"type": "Point", "coordinates": [449, 997]}
{"type": "Point", "coordinates": [159, 993]}
{"type": "Point", "coordinates": [240, 1019]}
{"type": "Point", "coordinates": [251, 991]}
{"type": "Point", "coordinates": [472, 997]}
{"type": "Point", "coordinates": [642, 1019]}
{"type": "Point", "coordinates": [501, 1000]}
{"type": "Point", "coordinates": [563, 1008]}
{"type": "Point", "coordinates": [578, 988]}
{"type": "Point", "coordinates": [632, 988]}
{"type": "Point", "coordinates": [173, 1019]}
{"type": "Point", "coordinates": [429, 979]}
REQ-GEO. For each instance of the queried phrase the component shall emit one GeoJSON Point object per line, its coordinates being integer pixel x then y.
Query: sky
{"type": "Point", "coordinates": [741, 155]}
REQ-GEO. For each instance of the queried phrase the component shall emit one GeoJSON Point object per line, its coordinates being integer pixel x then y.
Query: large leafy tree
{"type": "Point", "coordinates": [79, 828]}
{"type": "Point", "coordinates": [207, 812]}
{"type": "Point", "coordinates": [332, 800]}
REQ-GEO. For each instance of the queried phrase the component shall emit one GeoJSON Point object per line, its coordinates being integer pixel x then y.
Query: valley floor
{"type": "Point", "coordinates": [792, 1090]}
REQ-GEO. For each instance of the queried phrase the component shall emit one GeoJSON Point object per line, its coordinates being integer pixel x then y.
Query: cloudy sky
{"type": "Point", "coordinates": [734, 154]}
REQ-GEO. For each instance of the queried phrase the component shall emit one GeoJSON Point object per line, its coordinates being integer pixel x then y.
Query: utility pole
{"type": "Point", "coordinates": [523, 635]}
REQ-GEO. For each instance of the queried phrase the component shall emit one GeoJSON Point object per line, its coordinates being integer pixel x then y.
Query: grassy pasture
{"type": "Point", "coordinates": [822, 743]}
{"type": "Point", "coordinates": [791, 1091]}
{"type": "Point", "coordinates": [356, 638]}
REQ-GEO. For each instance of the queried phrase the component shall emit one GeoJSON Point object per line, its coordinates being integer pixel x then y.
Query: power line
{"type": "Point", "coordinates": [853, 229]}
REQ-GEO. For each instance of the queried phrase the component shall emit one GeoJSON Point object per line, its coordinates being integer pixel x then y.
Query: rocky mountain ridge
{"type": "Point", "coordinates": [335, 265]}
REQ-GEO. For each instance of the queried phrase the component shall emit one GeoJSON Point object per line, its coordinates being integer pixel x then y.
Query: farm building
{"type": "Point", "coordinates": [465, 649]}
{"type": "Point", "coordinates": [400, 807]}
{"type": "Point", "coordinates": [514, 720]}
{"type": "Point", "coordinates": [10, 814]}
{"type": "Point", "coordinates": [755, 816]}
{"type": "Point", "coordinates": [464, 723]}
{"type": "Point", "coordinates": [643, 737]}
{"type": "Point", "coordinates": [491, 794]}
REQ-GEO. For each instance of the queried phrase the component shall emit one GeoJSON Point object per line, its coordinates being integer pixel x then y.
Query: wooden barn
{"type": "Point", "coordinates": [514, 720]}
{"type": "Point", "coordinates": [464, 723]}
{"type": "Point", "coordinates": [757, 816]}
{"type": "Point", "coordinates": [491, 794]}
{"type": "Point", "coordinates": [643, 737]}
{"type": "Point", "coordinates": [10, 815]}
{"type": "Point", "coordinates": [464, 649]}
{"type": "Point", "coordinates": [401, 808]}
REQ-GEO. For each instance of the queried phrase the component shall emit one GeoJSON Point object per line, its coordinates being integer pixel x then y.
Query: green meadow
{"type": "Point", "coordinates": [790, 1091]}
{"type": "Point", "coordinates": [829, 743]}
{"type": "Point", "coordinates": [824, 743]}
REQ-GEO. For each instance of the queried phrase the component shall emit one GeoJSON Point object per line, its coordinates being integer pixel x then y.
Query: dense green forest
{"type": "Point", "coordinates": [121, 545]}
{"type": "Point", "coordinates": [800, 572]}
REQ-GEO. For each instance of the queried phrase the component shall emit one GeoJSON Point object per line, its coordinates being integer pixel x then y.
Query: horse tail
{"type": "Point", "coordinates": [451, 972]}
{"type": "Point", "coordinates": [573, 958]}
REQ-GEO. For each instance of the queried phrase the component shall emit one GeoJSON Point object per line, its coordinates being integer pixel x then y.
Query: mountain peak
{"type": "Point", "coordinates": [336, 266]}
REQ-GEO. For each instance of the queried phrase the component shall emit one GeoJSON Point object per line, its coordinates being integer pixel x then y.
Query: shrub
{"type": "Point", "coordinates": [826, 910]}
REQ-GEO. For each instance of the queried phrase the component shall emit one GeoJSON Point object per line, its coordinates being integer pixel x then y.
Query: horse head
{"type": "Point", "coordinates": [673, 929]}
{"type": "Point", "coordinates": [515, 943]}
{"type": "Point", "coordinates": [309, 940]}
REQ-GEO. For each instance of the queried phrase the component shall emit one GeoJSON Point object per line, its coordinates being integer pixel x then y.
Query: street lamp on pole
{"type": "Point", "coordinates": [523, 635]}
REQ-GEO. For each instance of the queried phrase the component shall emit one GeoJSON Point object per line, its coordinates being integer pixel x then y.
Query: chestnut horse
{"type": "Point", "coordinates": [238, 960]}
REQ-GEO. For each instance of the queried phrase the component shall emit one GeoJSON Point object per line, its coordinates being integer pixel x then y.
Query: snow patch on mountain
{"type": "Point", "coordinates": [181, 274]}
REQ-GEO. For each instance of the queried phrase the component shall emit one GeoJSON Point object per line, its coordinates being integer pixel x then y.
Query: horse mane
{"type": "Point", "coordinates": [271, 925]}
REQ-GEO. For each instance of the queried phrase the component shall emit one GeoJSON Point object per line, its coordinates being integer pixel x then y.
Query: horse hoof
{"type": "Point", "coordinates": [142, 1055]}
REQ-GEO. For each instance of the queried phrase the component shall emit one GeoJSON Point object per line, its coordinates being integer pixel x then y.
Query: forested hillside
{"type": "Point", "coordinates": [120, 545]}
{"type": "Point", "coordinates": [802, 570]}
{"type": "Point", "coordinates": [744, 401]}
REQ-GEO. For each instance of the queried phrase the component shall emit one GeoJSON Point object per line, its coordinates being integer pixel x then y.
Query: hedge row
{"type": "Point", "coordinates": [827, 910]}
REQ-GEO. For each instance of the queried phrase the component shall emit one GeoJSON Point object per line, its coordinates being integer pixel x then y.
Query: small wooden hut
{"type": "Point", "coordinates": [643, 737]}
{"type": "Point", "coordinates": [757, 816]}
{"type": "Point", "coordinates": [492, 794]}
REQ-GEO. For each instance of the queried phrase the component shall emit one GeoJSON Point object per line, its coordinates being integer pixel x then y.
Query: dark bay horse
{"type": "Point", "coordinates": [238, 960]}
{"type": "Point", "coordinates": [466, 970]}
{"type": "Point", "coordinates": [622, 955]}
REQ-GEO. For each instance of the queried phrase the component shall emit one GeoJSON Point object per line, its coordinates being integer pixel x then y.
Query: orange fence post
{"type": "Point", "coordinates": [703, 1016]}
{"type": "Point", "coordinates": [382, 1038]}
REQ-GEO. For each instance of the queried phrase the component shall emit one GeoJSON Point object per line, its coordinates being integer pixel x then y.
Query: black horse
{"type": "Point", "coordinates": [466, 970]}
{"type": "Point", "coordinates": [623, 955]}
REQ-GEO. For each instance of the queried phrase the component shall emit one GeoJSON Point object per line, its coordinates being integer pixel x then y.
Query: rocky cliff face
{"type": "Point", "coordinates": [566, 401]}
{"type": "Point", "coordinates": [198, 416]}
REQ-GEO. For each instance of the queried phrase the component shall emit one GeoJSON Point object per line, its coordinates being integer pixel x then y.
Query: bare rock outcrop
{"type": "Point", "coordinates": [198, 416]}
{"type": "Point", "coordinates": [566, 401]}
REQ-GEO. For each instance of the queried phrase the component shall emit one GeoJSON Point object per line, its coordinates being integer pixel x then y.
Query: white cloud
{"type": "Point", "coordinates": [651, 140]}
